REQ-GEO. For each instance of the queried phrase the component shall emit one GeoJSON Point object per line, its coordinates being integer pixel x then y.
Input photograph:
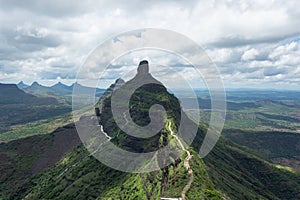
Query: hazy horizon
{"type": "Point", "coordinates": [69, 83]}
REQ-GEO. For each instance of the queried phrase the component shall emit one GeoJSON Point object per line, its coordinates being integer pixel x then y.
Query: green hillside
{"type": "Point", "coordinates": [80, 176]}
{"type": "Point", "coordinates": [58, 166]}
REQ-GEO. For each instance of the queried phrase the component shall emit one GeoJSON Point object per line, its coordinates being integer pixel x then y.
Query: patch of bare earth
{"type": "Point", "coordinates": [293, 162]}
{"type": "Point", "coordinates": [64, 140]}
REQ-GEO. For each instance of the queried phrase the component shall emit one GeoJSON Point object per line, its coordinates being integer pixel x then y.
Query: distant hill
{"type": "Point", "coordinates": [36, 88]}
{"type": "Point", "coordinates": [18, 107]}
{"type": "Point", "coordinates": [87, 90]}
{"type": "Point", "coordinates": [22, 85]}
{"type": "Point", "coordinates": [11, 94]}
{"type": "Point", "coordinates": [60, 89]}
{"type": "Point", "coordinates": [278, 147]}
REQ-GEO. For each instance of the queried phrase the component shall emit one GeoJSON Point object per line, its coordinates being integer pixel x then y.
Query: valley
{"type": "Point", "coordinates": [257, 156]}
{"type": "Point", "coordinates": [149, 100]}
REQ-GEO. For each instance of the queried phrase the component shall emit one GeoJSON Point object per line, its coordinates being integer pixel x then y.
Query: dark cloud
{"type": "Point", "coordinates": [50, 38]}
{"type": "Point", "coordinates": [29, 43]}
{"type": "Point", "coordinates": [17, 42]}
{"type": "Point", "coordinates": [238, 41]}
{"type": "Point", "coordinates": [53, 8]}
{"type": "Point", "coordinates": [273, 71]}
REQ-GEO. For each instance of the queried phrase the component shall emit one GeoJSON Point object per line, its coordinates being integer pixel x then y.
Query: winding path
{"type": "Point", "coordinates": [124, 115]}
{"type": "Point", "coordinates": [186, 163]}
{"type": "Point", "coordinates": [186, 160]}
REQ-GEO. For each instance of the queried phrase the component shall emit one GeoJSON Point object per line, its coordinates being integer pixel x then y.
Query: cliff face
{"type": "Point", "coordinates": [173, 180]}
{"type": "Point", "coordinates": [139, 104]}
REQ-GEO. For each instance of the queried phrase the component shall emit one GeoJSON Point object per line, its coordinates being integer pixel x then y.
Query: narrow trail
{"type": "Point", "coordinates": [124, 115]}
{"type": "Point", "coordinates": [186, 164]}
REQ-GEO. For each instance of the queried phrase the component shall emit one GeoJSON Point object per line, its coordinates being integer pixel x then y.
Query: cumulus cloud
{"type": "Point", "coordinates": [254, 43]}
{"type": "Point", "coordinates": [250, 54]}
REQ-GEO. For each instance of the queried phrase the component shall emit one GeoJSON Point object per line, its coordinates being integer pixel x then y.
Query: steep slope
{"type": "Point", "coordinates": [141, 101]}
{"type": "Point", "coordinates": [242, 175]}
{"type": "Point", "coordinates": [228, 172]}
{"type": "Point", "coordinates": [278, 147]}
{"type": "Point", "coordinates": [259, 178]}
{"type": "Point", "coordinates": [238, 174]}
{"type": "Point", "coordinates": [186, 177]}
{"type": "Point", "coordinates": [21, 159]}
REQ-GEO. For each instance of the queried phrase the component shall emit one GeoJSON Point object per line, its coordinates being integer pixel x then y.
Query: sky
{"type": "Point", "coordinates": [255, 44]}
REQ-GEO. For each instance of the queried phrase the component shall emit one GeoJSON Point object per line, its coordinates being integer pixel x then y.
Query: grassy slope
{"type": "Point", "coordinates": [16, 160]}
{"type": "Point", "coordinates": [242, 175]}
{"type": "Point", "coordinates": [78, 176]}
{"type": "Point", "coordinates": [270, 144]}
{"type": "Point", "coordinates": [21, 159]}
{"type": "Point", "coordinates": [44, 126]}
{"type": "Point", "coordinates": [89, 179]}
{"type": "Point", "coordinates": [236, 173]}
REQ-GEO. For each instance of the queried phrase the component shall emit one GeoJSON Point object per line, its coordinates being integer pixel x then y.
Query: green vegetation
{"type": "Point", "coordinates": [240, 175]}
{"type": "Point", "coordinates": [17, 158]}
{"type": "Point", "coordinates": [39, 127]}
{"type": "Point", "coordinates": [260, 116]}
{"type": "Point", "coordinates": [56, 166]}
{"type": "Point", "coordinates": [269, 144]}
{"type": "Point", "coordinates": [83, 177]}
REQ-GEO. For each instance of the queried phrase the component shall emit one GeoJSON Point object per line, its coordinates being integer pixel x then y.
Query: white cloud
{"type": "Point", "coordinates": [250, 54]}
{"type": "Point", "coordinates": [284, 49]}
{"type": "Point", "coordinates": [50, 39]}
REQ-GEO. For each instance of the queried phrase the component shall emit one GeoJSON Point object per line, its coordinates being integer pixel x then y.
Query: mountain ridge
{"type": "Point", "coordinates": [18, 107]}
{"type": "Point", "coordinates": [57, 89]}
{"type": "Point", "coordinates": [228, 172]}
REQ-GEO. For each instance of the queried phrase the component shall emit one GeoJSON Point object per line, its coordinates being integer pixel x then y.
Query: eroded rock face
{"type": "Point", "coordinates": [143, 67]}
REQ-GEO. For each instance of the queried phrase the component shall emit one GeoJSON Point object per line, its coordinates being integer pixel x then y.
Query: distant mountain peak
{"type": "Point", "coordinates": [35, 84]}
{"type": "Point", "coordinates": [119, 80]}
{"type": "Point", "coordinates": [11, 94]}
{"type": "Point", "coordinates": [143, 67]}
{"type": "Point", "coordinates": [76, 83]}
{"type": "Point", "coordinates": [60, 84]}
{"type": "Point", "coordinates": [22, 85]}
{"type": "Point", "coordinates": [144, 97]}
{"type": "Point", "coordinates": [118, 83]}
